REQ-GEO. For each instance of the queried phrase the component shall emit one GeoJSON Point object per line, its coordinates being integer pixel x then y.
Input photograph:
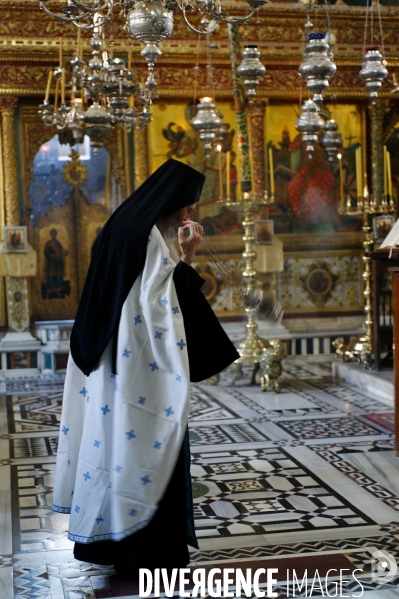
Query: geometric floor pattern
{"type": "Point", "coordinates": [308, 472]}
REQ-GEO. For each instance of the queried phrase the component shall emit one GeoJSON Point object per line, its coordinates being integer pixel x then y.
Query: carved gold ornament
{"type": "Point", "coordinates": [75, 173]}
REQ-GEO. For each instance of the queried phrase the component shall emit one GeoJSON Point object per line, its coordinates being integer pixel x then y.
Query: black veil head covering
{"type": "Point", "coordinates": [118, 257]}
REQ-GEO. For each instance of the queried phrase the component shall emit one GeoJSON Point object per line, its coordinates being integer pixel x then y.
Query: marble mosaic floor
{"type": "Point", "coordinates": [307, 477]}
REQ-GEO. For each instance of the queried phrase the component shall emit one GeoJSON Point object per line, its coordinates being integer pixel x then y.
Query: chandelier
{"type": "Point", "coordinates": [158, 12]}
{"type": "Point", "coordinates": [103, 85]}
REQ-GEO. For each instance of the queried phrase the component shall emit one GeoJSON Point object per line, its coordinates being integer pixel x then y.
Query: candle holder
{"type": "Point", "coordinates": [366, 207]}
{"type": "Point", "coordinates": [247, 206]}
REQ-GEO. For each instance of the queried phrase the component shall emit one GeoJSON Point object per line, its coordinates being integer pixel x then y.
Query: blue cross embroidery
{"type": "Point", "coordinates": [176, 310]}
{"type": "Point", "coordinates": [158, 335]}
{"type": "Point", "coordinates": [105, 409]}
{"type": "Point", "coordinates": [118, 469]}
{"type": "Point", "coordinates": [72, 493]}
{"type": "Point", "coordinates": [130, 435]}
{"type": "Point", "coordinates": [157, 445]}
{"type": "Point", "coordinates": [153, 366]}
{"type": "Point", "coordinates": [142, 400]}
{"type": "Point", "coordinates": [69, 462]}
{"type": "Point", "coordinates": [110, 486]}
{"type": "Point", "coordinates": [178, 378]}
{"type": "Point", "coordinates": [83, 392]}
{"type": "Point", "coordinates": [86, 476]}
{"type": "Point", "coordinates": [96, 443]}
{"type": "Point", "coordinates": [164, 301]}
{"type": "Point", "coordinates": [132, 512]}
{"type": "Point", "coordinates": [113, 376]}
{"type": "Point", "coordinates": [77, 509]}
{"type": "Point", "coordinates": [145, 288]}
{"type": "Point", "coordinates": [137, 320]}
{"type": "Point", "coordinates": [164, 260]}
{"type": "Point", "coordinates": [169, 411]}
{"type": "Point", "coordinates": [65, 430]}
{"type": "Point", "coordinates": [126, 353]}
{"type": "Point", "coordinates": [99, 519]}
{"type": "Point", "coordinates": [149, 239]}
{"type": "Point", "coordinates": [145, 479]}
{"type": "Point", "coordinates": [181, 344]}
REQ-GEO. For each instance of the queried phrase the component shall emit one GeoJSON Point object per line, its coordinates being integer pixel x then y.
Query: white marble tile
{"type": "Point", "coordinates": [232, 542]}
{"type": "Point", "coordinates": [4, 449]}
{"type": "Point", "coordinates": [6, 583]}
{"type": "Point", "coordinates": [57, 592]}
{"type": "Point", "coordinates": [369, 381]}
{"type": "Point", "coordinates": [276, 401]}
{"type": "Point", "coordinates": [379, 594]}
{"type": "Point", "coordinates": [5, 523]}
{"type": "Point", "coordinates": [5, 478]}
{"type": "Point", "coordinates": [381, 466]}
{"type": "Point", "coordinates": [321, 535]}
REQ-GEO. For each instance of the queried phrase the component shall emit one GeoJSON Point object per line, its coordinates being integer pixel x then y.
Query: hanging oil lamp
{"type": "Point", "coordinates": [373, 70]}
{"type": "Point", "coordinates": [317, 66]}
{"type": "Point", "coordinates": [207, 122]}
{"type": "Point", "coordinates": [309, 125]}
{"type": "Point", "coordinates": [331, 141]}
{"type": "Point", "coordinates": [251, 69]}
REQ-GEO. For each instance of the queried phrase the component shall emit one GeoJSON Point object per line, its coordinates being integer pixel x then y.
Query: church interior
{"type": "Point", "coordinates": [290, 109]}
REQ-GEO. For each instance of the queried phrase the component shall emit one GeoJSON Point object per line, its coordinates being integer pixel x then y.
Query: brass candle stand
{"type": "Point", "coordinates": [366, 207]}
{"type": "Point", "coordinates": [247, 206]}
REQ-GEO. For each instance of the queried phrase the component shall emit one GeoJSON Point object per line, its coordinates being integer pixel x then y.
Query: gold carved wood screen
{"type": "Point", "coordinates": [63, 229]}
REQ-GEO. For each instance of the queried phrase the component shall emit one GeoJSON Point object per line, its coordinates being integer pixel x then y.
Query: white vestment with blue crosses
{"type": "Point", "coordinates": [121, 435]}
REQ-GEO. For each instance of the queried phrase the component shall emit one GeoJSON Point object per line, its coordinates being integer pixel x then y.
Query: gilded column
{"type": "Point", "coordinates": [376, 114]}
{"type": "Point", "coordinates": [8, 105]}
{"type": "Point", "coordinates": [16, 287]}
{"type": "Point", "coordinates": [257, 118]}
{"type": "Point", "coordinates": [141, 166]}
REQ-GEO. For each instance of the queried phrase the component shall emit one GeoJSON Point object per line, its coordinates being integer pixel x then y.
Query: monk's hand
{"type": "Point", "coordinates": [188, 245]}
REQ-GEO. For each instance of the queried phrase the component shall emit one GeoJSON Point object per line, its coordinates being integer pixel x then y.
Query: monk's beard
{"type": "Point", "coordinates": [168, 226]}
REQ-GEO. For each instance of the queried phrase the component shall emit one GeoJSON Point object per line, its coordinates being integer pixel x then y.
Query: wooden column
{"type": "Point", "coordinates": [141, 166]}
{"type": "Point", "coordinates": [257, 117]}
{"type": "Point", "coordinates": [376, 114]}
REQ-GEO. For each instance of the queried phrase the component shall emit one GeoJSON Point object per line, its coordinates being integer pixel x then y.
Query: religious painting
{"type": "Point", "coordinates": [72, 193]}
{"type": "Point", "coordinates": [307, 185]}
{"type": "Point", "coordinates": [15, 240]}
{"type": "Point", "coordinates": [381, 226]}
{"type": "Point", "coordinates": [171, 136]}
{"type": "Point", "coordinates": [264, 232]}
{"type": "Point", "coordinates": [55, 283]}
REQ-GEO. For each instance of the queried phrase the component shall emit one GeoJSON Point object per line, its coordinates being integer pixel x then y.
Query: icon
{"type": "Point", "coordinates": [383, 566]}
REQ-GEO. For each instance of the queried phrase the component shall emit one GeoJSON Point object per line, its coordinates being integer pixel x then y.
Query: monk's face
{"type": "Point", "coordinates": [188, 212]}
